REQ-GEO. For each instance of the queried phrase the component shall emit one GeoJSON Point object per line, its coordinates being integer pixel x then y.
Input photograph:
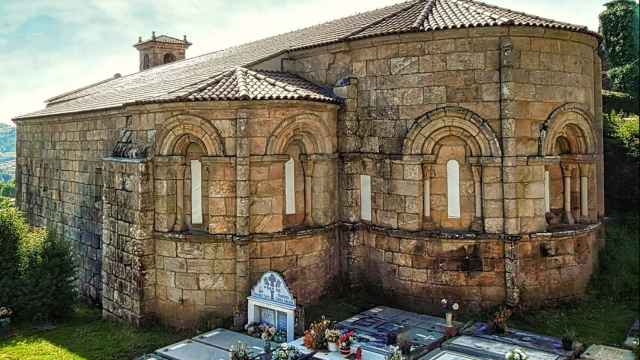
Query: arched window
{"type": "Point", "coordinates": [145, 61]}
{"type": "Point", "coordinates": [290, 188]}
{"type": "Point", "coordinates": [169, 57]}
{"type": "Point", "coordinates": [294, 185]}
{"type": "Point", "coordinates": [453, 189]}
{"type": "Point", "coordinates": [193, 186]}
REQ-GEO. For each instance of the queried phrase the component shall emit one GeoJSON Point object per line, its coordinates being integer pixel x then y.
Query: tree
{"type": "Point", "coordinates": [620, 29]}
{"type": "Point", "coordinates": [12, 229]}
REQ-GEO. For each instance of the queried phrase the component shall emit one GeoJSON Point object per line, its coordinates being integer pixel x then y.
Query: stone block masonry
{"type": "Point", "coordinates": [515, 108]}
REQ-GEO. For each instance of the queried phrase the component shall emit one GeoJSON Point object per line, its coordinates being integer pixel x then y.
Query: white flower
{"type": "Point", "coordinates": [443, 302]}
{"type": "Point", "coordinates": [455, 306]}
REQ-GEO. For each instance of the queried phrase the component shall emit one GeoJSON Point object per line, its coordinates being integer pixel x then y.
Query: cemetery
{"type": "Point", "coordinates": [379, 333]}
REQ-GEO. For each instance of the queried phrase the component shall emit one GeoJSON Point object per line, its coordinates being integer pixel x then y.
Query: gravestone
{"type": "Point", "coordinates": [601, 352]}
{"type": "Point", "coordinates": [491, 349]}
{"type": "Point", "coordinates": [448, 355]}
{"type": "Point", "coordinates": [374, 328]}
{"type": "Point", "coordinates": [271, 302]}
{"type": "Point", "coordinates": [522, 339]}
{"type": "Point", "coordinates": [225, 339]}
{"type": "Point", "coordinates": [192, 350]}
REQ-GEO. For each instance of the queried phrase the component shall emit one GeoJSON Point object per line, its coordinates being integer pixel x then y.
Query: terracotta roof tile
{"type": "Point", "coordinates": [244, 84]}
{"type": "Point", "coordinates": [161, 83]}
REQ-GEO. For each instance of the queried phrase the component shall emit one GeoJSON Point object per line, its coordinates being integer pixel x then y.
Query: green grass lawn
{"type": "Point", "coordinates": [85, 336]}
{"type": "Point", "coordinates": [603, 317]}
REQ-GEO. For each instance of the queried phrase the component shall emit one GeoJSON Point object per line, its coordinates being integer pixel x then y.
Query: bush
{"type": "Point", "coordinates": [621, 162]}
{"type": "Point", "coordinates": [49, 275]}
{"type": "Point", "coordinates": [625, 78]}
{"type": "Point", "coordinates": [12, 230]}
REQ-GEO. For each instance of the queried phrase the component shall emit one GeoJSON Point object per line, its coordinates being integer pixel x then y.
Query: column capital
{"type": "Point", "coordinates": [567, 167]}
{"type": "Point", "coordinates": [585, 169]}
{"type": "Point", "coordinates": [426, 169]}
{"type": "Point", "coordinates": [308, 166]}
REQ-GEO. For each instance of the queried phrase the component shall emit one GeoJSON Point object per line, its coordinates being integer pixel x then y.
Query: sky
{"type": "Point", "coordinates": [48, 47]}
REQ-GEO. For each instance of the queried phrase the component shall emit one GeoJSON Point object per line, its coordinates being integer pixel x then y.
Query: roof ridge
{"type": "Point", "coordinates": [412, 3]}
{"type": "Point", "coordinates": [243, 91]}
{"type": "Point", "coordinates": [215, 79]}
{"type": "Point", "coordinates": [423, 14]}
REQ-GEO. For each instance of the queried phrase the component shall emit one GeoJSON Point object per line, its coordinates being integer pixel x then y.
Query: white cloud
{"type": "Point", "coordinates": [99, 35]}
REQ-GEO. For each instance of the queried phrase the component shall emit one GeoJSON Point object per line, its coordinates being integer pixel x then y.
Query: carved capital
{"type": "Point", "coordinates": [567, 168]}
{"type": "Point", "coordinates": [427, 170]}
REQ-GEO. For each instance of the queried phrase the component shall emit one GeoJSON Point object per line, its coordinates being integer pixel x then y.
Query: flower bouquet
{"type": "Point", "coordinates": [516, 354]}
{"type": "Point", "coordinates": [345, 342]}
{"type": "Point", "coordinates": [239, 352]}
{"type": "Point", "coordinates": [314, 337]}
{"type": "Point", "coordinates": [286, 352]}
{"type": "Point", "coordinates": [499, 324]}
{"type": "Point", "coordinates": [449, 309]}
{"type": "Point", "coordinates": [332, 336]}
{"type": "Point", "coordinates": [395, 353]}
{"type": "Point", "coordinates": [267, 335]}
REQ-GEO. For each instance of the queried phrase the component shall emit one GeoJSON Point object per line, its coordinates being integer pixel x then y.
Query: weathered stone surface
{"type": "Point", "coordinates": [460, 96]}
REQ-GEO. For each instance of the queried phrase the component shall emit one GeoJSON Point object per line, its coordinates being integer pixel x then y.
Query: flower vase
{"type": "Point", "coordinates": [332, 346]}
{"type": "Point", "coordinates": [267, 346]}
{"type": "Point", "coordinates": [345, 350]}
{"type": "Point", "coordinates": [449, 317]}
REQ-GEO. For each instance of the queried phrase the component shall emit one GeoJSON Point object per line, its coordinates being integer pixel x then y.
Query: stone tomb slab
{"type": "Point", "coordinates": [448, 355]}
{"type": "Point", "coordinates": [601, 352]}
{"type": "Point", "coordinates": [490, 349]}
{"type": "Point", "coordinates": [225, 339]}
{"type": "Point", "coordinates": [192, 350]}
{"type": "Point", "coordinates": [523, 339]}
{"type": "Point", "coordinates": [422, 321]}
{"type": "Point", "coordinates": [360, 322]}
{"type": "Point", "coordinates": [385, 312]}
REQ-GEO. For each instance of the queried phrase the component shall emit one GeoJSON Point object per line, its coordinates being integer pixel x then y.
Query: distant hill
{"type": "Point", "coordinates": [7, 152]}
{"type": "Point", "coordinates": [7, 138]}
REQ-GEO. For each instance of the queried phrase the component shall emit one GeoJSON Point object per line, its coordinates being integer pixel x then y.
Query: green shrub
{"type": "Point", "coordinates": [49, 276]}
{"type": "Point", "coordinates": [625, 78]}
{"type": "Point", "coordinates": [12, 230]}
{"type": "Point", "coordinates": [621, 162]}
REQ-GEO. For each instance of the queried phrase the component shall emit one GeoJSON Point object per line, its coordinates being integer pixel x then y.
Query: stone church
{"type": "Point", "coordinates": [429, 149]}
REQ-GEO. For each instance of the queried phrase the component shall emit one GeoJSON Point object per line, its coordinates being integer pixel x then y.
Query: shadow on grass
{"type": "Point", "coordinates": [86, 336]}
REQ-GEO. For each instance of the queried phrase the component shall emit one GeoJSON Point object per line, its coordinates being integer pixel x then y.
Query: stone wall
{"type": "Point", "coordinates": [59, 182]}
{"type": "Point", "coordinates": [396, 79]}
{"type": "Point", "coordinates": [557, 266]}
{"type": "Point", "coordinates": [195, 278]}
{"type": "Point", "coordinates": [496, 100]}
{"type": "Point", "coordinates": [309, 261]}
{"type": "Point", "coordinates": [128, 250]}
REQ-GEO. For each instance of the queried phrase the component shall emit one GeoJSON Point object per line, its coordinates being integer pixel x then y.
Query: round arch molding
{"type": "Point", "coordinates": [430, 128]}
{"type": "Point", "coordinates": [570, 119]}
{"type": "Point", "coordinates": [309, 129]}
{"type": "Point", "coordinates": [183, 129]}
